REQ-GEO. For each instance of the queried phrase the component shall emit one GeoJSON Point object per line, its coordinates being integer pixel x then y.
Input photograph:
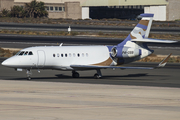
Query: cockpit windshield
{"type": "Point", "coordinates": [18, 53]}
{"type": "Point", "coordinates": [26, 53]}
{"type": "Point", "coordinates": [21, 53]}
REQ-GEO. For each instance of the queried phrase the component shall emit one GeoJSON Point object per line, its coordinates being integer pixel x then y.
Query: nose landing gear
{"type": "Point", "coordinates": [28, 73]}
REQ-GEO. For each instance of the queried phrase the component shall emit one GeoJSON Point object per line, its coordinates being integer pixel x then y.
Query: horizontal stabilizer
{"type": "Point", "coordinates": [153, 41]}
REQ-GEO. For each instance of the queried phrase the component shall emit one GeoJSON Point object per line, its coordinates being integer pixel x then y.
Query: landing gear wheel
{"type": "Point", "coordinates": [97, 76]}
{"type": "Point", "coordinates": [29, 73]}
{"type": "Point", "coordinates": [75, 75]}
{"type": "Point", "coordinates": [28, 78]}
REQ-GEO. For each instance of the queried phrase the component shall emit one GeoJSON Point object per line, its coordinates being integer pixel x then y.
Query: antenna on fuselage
{"type": "Point", "coordinates": [61, 44]}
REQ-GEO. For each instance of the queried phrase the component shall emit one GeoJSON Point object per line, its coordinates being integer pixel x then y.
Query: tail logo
{"type": "Point", "coordinates": [140, 30]}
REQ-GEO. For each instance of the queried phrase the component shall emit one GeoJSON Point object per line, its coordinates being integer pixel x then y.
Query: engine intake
{"type": "Point", "coordinates": [125, 52]}
{"type": "Point", "coordinates": [114, 52]}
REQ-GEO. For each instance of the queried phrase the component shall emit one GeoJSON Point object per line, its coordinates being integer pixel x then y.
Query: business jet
{"type": "Point", "coordinates": [78, 58]}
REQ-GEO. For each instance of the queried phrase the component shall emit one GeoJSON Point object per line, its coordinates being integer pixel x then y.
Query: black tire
{"type": "Point", "coordinates": [75, 75]}
{"type": "Point", "coordinates": [97, 76]}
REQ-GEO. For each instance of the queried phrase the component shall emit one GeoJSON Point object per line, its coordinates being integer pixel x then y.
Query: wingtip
{"type": "Point", "coordinates": [163, 63]}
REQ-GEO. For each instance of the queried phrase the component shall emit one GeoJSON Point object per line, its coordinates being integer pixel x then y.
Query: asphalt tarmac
{"type": "Point", "coordinates": [164, 77]}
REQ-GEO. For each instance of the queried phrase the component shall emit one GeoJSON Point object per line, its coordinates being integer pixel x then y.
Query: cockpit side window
{"type": "Point", "coordinates": [22, 52]}
{"type": "Point", "coordinates": [26, 53]}
{"type": "Point", "coordinates": [30, 53]}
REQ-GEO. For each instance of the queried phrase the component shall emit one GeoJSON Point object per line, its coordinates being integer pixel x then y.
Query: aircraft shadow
{"type": "Point", "coordinates": [140, 79]}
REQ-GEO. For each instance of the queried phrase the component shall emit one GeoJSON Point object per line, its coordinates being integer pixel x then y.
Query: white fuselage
{"type": "Point", "coordinates": [60, 57]}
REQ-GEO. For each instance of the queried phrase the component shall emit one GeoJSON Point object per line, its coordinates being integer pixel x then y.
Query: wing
{"type": "Point", "coordinates": [91, 67]}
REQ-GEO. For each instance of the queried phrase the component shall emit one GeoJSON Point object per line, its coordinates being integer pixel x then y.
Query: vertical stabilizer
{"type": "Point", "coordinates": [148, 17]}
{"type": "Point", "coordinates": [141, 30]}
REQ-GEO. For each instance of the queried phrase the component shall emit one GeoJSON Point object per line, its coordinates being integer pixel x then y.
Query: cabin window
{"type": "Point", "coordinates": [21, 53]}
{"type": "Point", "coordinates": [82, 54]}
{"type": "Point", "coordinates": [78, 55]}
{"type": "Point", "coordinates": [58, 55]}
{"type": "Point", "coordinates": [30, 53]}
{"type": "Point", "coordinates": [86, 54]}
{"type": "Point", "coordinates": [54, 55]}
{"type": "Point", "coordinates": [61, 55]}
{"type": "Point", "coordinates": [65, 55]}
{"type": "Point", "coordinates": [74, 55]}
{"type": "Point", "coordinates": [69, 54]}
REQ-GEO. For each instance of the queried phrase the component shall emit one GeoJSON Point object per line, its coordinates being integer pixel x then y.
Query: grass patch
{"type": "Point", "coordinates": [7, 53]}
{"type": "Point", "coordinates": [95, 22]}
{"type": "Point", "coordinates": [159, 58]}
{"type": "Point", "coordinates": [99, 34]}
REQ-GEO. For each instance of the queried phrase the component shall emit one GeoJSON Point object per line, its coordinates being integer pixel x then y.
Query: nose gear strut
{"type": "Point", "coordinates": [28, 73]}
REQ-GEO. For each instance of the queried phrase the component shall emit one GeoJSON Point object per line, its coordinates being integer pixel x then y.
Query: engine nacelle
{"type": "Point", "coordinates": [125, 52]}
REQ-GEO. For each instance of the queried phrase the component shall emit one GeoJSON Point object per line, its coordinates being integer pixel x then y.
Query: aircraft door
{"type": "Point", "coordinates": [41, 59]}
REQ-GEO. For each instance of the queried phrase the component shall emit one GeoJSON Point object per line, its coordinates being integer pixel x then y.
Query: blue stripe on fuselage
{"type": "Point", "coordinates": [140, 52]}
{"type": "Point", "coordinates": [124, 42]}
{"type": "Point", "coordinates": [110, 48]}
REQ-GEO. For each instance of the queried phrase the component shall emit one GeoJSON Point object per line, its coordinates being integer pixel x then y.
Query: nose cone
{"type": "Point", "coordinates": [10, 62]}
{"type": "Point", "coordinates": [6, 63]}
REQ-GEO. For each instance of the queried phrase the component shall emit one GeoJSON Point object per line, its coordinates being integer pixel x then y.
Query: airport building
{"type": "Point", "coordinates": [164, 10]}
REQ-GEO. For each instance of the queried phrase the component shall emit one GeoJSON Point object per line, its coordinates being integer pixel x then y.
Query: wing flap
{"type": "Point", "coordinates": [105, 67]}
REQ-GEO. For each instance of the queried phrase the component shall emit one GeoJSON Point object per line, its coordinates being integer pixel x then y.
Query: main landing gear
{"type": "Point", "coordinates": [98, 75]}
{"type": "Point", "coordinates": [29, 73]}
{"type": "Point", "coordinates": [75, 74]}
